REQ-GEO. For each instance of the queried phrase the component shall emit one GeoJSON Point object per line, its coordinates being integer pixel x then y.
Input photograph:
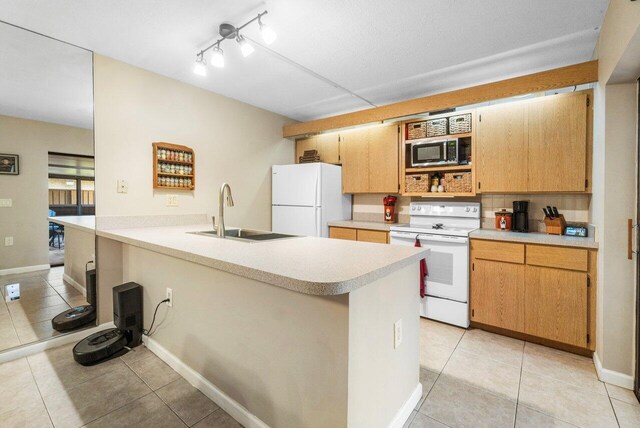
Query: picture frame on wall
{"type": "Point", "coordinates": [9, 164]}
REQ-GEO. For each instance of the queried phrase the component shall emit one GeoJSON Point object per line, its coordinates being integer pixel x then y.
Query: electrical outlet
{"type": "Point", "coordinates": [170, 297]}
{"type": "Point", "coordinates": [397, 334]}
{"type": "Point", "coordinates": [172, 200]}
{"type": "Point", "coordinates": [6, 203]}
{"type": "Point", "coordinates": [8, 241]}
{"type": "Point", "coordinates": [123, 186]}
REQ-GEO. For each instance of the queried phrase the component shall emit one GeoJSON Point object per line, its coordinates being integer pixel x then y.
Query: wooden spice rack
{"type": "Point", "coordinates": [405, 159]}
{"type": "Point", "coordinates": [183, 160]}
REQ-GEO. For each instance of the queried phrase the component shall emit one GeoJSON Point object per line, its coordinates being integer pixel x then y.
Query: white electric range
{"type": "Point", "coordinates": [444, 228]}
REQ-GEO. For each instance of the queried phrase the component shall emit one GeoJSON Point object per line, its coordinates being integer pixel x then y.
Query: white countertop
{"type": "Point", "coordinates": [535, 238]}
{"type": "Point", "coordinates": [86, 223]}
{"type": "Point", "coordinates": [358, 224]}
{"type": "Point", "coordinates": [318, 266]}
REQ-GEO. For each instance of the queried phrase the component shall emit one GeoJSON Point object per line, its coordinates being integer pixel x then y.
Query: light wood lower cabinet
{"type": "Point", "coordinates": [362, 235]}
{"type": "Point", "coordinates": [545, 292]}
{"type": "Point", "coordinates": [555, 302]}
{"type": "Point", "coordinates": [498, 294]}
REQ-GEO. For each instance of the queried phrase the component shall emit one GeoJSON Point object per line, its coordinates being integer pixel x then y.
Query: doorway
{"type": "Point", "coordinates": [71, 193]}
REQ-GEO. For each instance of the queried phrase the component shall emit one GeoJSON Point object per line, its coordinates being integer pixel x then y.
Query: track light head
{"type": "Point", "coordinates": [245, 47]}
{"type": "Point", "coordinates": [268, 35]}
{"type": "Point", "coordinates": [217, 57]}
{"type": "Point", "coordinates": [200, 66]}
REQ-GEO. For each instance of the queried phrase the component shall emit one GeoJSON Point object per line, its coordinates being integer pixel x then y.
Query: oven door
{"type": "Point", "coordinates": [447, 263]}
{"type": "Point", "coordinates": [425, 153]}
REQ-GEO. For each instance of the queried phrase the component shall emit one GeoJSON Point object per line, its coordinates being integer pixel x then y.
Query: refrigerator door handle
{"type": "Point", "coordinates": [315, 223]}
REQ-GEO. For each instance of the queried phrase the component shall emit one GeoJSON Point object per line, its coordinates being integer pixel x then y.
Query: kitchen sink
{"type": "Point", "coordinates": [246, 235]}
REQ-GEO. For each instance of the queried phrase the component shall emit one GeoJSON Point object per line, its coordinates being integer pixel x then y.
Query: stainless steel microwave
{"type": "Point", "coordinates": [429, 153]}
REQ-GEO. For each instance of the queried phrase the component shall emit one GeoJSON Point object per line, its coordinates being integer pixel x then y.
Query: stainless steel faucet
{"type": "Point", "coordinates": [220, 228]}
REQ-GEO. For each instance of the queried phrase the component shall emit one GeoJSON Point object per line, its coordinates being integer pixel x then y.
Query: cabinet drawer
{"type": "Point", "coordinates": [558, 257]}
{"type": "Point", "coordinates": [377, 236]}
{"type": "Point", "coordinates": [342, 233]}
{"type": "Point", "coordinates": [498, 251]}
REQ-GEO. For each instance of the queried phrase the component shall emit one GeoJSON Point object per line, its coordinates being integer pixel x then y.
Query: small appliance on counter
{"type": "Point", "coordinates": [389, 208]}
{"type": "Point", "coordinates": [554, 221]}
{"type": "Point", "coordinates": [521, 216]}
{"type": "Point", "coordinates": [576, 230]}
{"type": "Point", "coordinates": [504, 220]}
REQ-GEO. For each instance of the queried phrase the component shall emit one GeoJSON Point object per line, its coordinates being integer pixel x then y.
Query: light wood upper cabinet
{"type": "Point", "coordinates": [355, 163]}
{"type": "Point", "coordinates": [502, 148]}
{"type": "Point", "coordinates": [370, 160]}
{"type": "Point", "coordinates": [327, 145]}
{"type": "Point", "coordinates": [537, 145]}
{"type": "Point", "coordinates": [556, 305]}
{"type": "Point", "coordinates": [497, 294]}
{"type": "Point", "coordinates": [557, 143]}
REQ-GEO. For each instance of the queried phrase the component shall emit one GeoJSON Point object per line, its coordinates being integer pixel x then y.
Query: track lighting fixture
{"type": "Point", "coordinates": [245, 47]}
{"type": "Point", "coordinates": [268, 35]}
{"type": "Point", "coordinates": [200, 68]}
{"type": "Point", "coordinates": [217, 57]}
{"type": "Point", "coordinates": [228, 31]}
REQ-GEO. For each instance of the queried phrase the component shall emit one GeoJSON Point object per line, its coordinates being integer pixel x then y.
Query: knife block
{"type": "Point", "coordinates": [555, 226]}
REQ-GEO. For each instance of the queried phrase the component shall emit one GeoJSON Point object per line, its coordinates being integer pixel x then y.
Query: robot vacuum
{"type": "Point", "coordinates": [114, 342]}
{"type": "Point", "coordinates": [80, 315]}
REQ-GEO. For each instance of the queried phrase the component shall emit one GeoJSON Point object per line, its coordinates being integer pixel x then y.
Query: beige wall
{"type": "Point", "coordinates": [27, 221]}
{"type": "Point", "coordinates": [233, 142]}
{"type": "Point", "coordinates": [614, 190]}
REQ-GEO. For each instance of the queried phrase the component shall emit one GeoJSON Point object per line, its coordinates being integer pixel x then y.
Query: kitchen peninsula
{"type": "Point", "coordinates": [289, 332]}
{"type": "Point", "coordinates": [79, 247]}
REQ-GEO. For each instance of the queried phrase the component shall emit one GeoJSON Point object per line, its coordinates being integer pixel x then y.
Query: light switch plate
{"type": "Point", "coordinates": [6, 203]}
{"type": "Point", "coordinates": [172, 200]}
{"type": "Point", "coordinates": [397, 333]}
{"type": "Point", "coordinates": [123, 186]}
{"type": "Point", "coordinates": [8, 241]}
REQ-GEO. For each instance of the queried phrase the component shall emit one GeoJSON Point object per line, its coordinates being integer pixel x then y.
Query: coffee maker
{"type": "Point", "coordinates": [521, 216]}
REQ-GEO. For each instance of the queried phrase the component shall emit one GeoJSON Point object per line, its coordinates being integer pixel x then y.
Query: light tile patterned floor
{"type": "Point", "coordinates": [474, 378]}
{"type": "Point", "coordinates": [136, 390]}
{"type": "Point", "coordinates": [43, 295]}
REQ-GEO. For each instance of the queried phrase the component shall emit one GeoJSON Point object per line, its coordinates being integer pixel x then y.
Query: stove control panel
{"type": "Point", "coordinates": [445, 209]}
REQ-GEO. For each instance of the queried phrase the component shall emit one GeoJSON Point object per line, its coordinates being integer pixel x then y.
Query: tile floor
{"type": "Point", "coordinates": [474, 378]}
{"type": "Point", "coordinates": [44, 294]}
{"type": "Point", "coordinates": [136, 390]}
{"type": "Point", "coordinates": [470, 379]}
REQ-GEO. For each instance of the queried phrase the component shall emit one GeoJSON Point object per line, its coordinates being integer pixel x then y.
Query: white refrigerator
{"type": "Point", "coordinates": [305, 197]}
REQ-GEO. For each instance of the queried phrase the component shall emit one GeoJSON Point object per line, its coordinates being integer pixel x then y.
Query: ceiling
{"type": "Point", "coordinates": [44, 79]}
{"type": "Point", "coordinates": [380, 50]}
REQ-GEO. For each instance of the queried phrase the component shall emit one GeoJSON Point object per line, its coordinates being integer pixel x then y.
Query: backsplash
{"type": "Point", "coordinates": [575, 208]}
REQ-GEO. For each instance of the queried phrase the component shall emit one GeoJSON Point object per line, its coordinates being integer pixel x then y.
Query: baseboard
{"type": "Point", "coordinates": [609, 376]}
{"type": "Point", "coordinates": [54, 342]}
{"type": "Point", "coordinates": [229, 405]}
{"type": "Point", "coordinates": [75, 284]}
{"type": "Point", "coordinates": [405, 411]}
{"type": "Point", "coordinates": [24, 269]}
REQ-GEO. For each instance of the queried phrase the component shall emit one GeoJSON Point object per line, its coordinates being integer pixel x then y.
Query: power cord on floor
{"type": "Point", "coordinates": [148, 332]}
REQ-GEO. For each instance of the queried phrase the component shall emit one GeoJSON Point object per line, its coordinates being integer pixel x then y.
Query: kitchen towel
{"type": "Point", "coordinates": [423, 271]}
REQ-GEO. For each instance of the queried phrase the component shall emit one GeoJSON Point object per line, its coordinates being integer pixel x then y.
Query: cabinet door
{"type": "Point", "coordinates": [305, 144]}
{"type": "Point", "coordinates": [558, 144]}
{"type": "Point", "coordinates": [502, 148]}
{"type": "Point", "coordinates": [556, 305]}
{"type": "Point", "coordinates": [355, 161]}
{"type": "Point", "coordinates": [328, 147]}
{"type": "Point", "coordinates": [497, 294]}
{"type": "Point", "coordinates": [383, 159]}
{"type": "Point", "coordinates": [376, 236]}
{"type": "Point", "coordinates": [342, 233]}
